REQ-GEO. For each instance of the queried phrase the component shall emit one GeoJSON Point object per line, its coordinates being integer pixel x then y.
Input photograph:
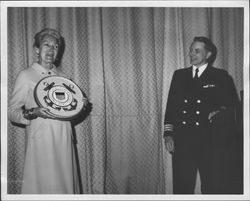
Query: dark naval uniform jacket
{"type": "Point", "coordinates": [186, 119]}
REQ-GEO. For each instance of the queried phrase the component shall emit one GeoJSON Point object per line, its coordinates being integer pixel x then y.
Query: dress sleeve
{"type": "Point", "coordinates": [18, 100]}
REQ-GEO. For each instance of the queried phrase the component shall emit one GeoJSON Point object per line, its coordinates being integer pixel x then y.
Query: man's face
{"type": "Point", "coordinates": [48, 50]}
{"type": "Point", "coordinates": [198, 54]}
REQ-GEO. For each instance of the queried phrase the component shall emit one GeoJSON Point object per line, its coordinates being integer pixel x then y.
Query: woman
{"type": "Point", "coordinates": [50, 165]}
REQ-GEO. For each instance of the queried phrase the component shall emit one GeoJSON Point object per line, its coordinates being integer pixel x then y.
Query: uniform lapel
{"type": "Point", "coordinates": [188, 79]}
{"type": "Point", "coordinates": [190, 72]}
{"type": "Point", "coordinates": [206, 72]}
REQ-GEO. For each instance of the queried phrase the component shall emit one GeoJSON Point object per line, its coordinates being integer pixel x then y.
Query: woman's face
{"type": "Point", "coordinates": [47, 51]}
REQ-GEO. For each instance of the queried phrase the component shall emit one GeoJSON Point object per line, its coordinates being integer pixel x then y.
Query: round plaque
{"type": "Point", "coordinates": [64, 99]}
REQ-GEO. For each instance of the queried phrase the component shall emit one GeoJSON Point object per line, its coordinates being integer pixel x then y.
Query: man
{"type": "Point", "coordinates": [199, 126]}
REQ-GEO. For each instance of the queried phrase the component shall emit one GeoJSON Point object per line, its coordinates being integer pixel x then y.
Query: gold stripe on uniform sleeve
{"type": "Point", "coordinates": [168, 127]}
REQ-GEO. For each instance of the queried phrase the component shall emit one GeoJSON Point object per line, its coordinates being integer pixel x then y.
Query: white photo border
{"type": "Point", "coordinates": [177, 3]}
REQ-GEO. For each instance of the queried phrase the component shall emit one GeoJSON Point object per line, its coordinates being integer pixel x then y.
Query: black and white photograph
{"type": "Point", "coordinates": [125, 100]}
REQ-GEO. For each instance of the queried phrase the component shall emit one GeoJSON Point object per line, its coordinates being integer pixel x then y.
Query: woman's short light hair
{"type": "Point", "coordinates": [47, 32]}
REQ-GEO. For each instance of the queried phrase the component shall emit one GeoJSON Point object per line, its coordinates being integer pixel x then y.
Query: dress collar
{"type": "Point", "coordinates": [41, 70]}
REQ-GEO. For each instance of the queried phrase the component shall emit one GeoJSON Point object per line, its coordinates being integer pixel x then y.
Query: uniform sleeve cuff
{"type": "Point", "coordinates": [166, 134]}
{"type": "Point", "coordinates": [168, 130]}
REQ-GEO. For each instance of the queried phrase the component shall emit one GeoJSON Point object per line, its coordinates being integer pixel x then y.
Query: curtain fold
{"type": "Point", "coordinates": [133, 151]}
{"type": "Point", "coordinates": [123, 59]}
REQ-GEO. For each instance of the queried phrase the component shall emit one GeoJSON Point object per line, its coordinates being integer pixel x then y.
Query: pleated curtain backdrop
{"type": "Point", "coordinates": [123, 58]}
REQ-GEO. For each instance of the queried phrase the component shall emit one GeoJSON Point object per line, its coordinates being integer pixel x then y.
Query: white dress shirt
{"type": "Point", "coordinates": [201, 69]}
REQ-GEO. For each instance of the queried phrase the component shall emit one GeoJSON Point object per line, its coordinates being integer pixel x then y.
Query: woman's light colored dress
{"type": "Point", "coordinates": [50, 165]}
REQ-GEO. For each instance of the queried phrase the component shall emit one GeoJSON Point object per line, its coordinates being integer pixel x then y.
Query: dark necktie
{"type": "Point", "coordinates": [196, 74]}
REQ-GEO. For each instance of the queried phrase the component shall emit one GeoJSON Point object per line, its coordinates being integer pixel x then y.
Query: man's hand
{"type": "Point", "coordinates": [212, 114]}
{"type": "Point", "coordinates": [169, 143]}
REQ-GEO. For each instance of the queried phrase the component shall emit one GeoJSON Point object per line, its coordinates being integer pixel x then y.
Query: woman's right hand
{"type": "Point", "coordinates": [41, 112]}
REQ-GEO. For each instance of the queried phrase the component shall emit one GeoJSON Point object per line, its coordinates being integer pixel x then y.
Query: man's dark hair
{"type": "Point", "coordinates": [209, 46]}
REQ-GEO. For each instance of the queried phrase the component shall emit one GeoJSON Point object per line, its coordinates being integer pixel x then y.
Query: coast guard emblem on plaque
{"type": "Point", "coordinates": [61, 96]}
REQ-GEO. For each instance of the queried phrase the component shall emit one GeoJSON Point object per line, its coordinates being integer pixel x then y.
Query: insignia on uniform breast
{"type": "Point", "coordinates": [209, 86]}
